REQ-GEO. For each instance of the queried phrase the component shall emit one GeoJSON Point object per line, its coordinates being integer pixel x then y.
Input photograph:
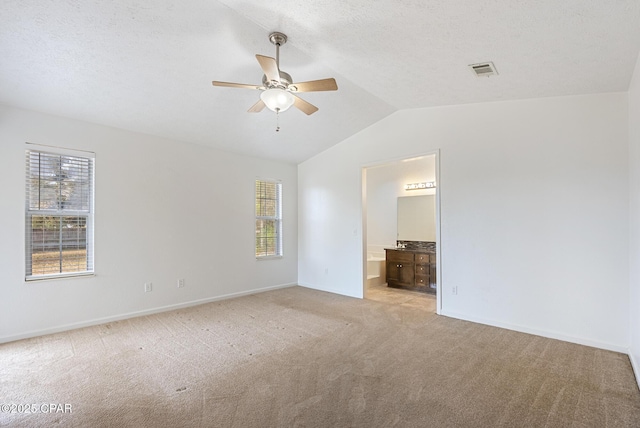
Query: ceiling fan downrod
{"type": "Point", "coordinates": [278, 39]}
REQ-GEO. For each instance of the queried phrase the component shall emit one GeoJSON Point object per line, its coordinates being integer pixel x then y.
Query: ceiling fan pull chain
{"type": "Point", "coordinates": [277, 120]}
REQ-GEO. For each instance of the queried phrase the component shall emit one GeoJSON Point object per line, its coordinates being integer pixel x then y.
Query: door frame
{"type": "Point", "coordinates": [363, 187]}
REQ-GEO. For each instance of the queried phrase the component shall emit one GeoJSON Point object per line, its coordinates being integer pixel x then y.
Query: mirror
{"type": "Point", "coordinates": [417, 218]}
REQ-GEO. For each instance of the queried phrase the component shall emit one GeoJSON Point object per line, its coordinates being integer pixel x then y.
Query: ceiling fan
{"type": "Point", "coordinates": [278, 89]}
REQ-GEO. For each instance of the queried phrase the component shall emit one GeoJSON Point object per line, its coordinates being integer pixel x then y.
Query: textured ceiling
{"type": "Point", "coordinates": [147, 65]}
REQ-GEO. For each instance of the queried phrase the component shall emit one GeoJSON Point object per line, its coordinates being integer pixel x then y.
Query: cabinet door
{"type": "Point", "coordinates": [399, 273]}
{"type": "Point", "coordinates": [405, 274]}
{"type": "Point", "coordinates": [392, 272]}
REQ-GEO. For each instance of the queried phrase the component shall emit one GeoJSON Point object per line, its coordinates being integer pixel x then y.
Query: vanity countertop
{"type": "Point", "coordinates": [413, 250]}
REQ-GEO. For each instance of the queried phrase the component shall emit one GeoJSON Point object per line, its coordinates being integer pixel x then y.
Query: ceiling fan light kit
{"type": "Point", "coordinates": [278, 89]}
{"type": "Point", "coordinates": [277, 99]}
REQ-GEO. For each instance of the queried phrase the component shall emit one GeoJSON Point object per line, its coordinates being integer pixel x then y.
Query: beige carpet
{"type": "Point", "coordinates": [302, 358]}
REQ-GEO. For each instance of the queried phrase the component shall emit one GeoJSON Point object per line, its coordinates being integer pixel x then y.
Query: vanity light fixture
{"type": "Point", "coordinates": [420, 186]}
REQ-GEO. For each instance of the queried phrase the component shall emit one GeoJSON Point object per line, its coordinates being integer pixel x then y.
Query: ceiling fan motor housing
{"type": "Point", "coordinates": [285, 81]}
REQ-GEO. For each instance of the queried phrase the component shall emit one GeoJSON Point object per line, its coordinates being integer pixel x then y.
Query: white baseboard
{"type": "Point", "coordinates": [97, 321]}
{"type": "Point", "coordinates": [330, 290]}
{"type": "Point", "coordinates": [543, 333]}
{"type": "Point", "coordinates": [634, 365]}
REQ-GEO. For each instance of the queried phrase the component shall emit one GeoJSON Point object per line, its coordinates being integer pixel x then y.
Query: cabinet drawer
{"type": "Point", "coordinates": [422, 281]}
{"type": "Point", "coordinates": [422, 258]}
{"type": "Point", "coordinates": [399, 256]}
{"type": "Point", "coordinates": [422, 269]}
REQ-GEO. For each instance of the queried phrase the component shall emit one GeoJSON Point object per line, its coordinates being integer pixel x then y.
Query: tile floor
{"type": "Point", "coordinates": [396, 296]}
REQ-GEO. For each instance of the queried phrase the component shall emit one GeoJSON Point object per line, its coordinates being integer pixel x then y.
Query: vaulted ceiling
{"type": "Point", "coordinates": [147, 65]}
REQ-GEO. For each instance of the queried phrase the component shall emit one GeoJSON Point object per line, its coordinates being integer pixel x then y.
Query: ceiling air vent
{"type": "Point", "coordinates": [484, 69]}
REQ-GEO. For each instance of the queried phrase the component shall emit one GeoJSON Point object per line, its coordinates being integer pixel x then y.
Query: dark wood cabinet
{"type": "Point", "coordinates": [400, 269]}
{"type": "Point", "coordinates": [411, 269]}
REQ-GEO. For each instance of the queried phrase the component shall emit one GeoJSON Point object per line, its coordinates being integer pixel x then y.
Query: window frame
{"type": "Point", "coordinates": [88, 215]}
{"type": "Point", "coordinates": [279, 253]}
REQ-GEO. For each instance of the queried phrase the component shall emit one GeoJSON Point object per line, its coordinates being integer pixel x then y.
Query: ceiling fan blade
{"type": "Point", "coordinates": [304, 106]}
{"type": "Point", "coordinates": [257, 107]}
{"type": "Point", "coordinates": [315, 85]}
{"type": "Point", "coordinates": [235, 85]}
{"type": "Point", "coordinates": [269, 67]}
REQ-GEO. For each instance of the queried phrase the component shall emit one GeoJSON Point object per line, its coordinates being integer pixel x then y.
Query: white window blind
{"type": "Point", "coordinates": [59, 214]}
{"type": "Point", "coordinates": [268, 218]}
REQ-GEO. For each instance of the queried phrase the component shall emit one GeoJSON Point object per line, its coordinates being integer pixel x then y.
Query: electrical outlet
{"type": "Point", "coordinates": [148, 287]}
{"type": "Point", "coordinates": [180, 283]}
{"type": "Point", "coordinates": [454, 290]}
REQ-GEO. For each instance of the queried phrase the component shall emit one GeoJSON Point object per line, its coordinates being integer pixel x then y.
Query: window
{"type": "Point", "coordinates": [268, 218]}
{"type": "Point", "coordinates": [59, 214]}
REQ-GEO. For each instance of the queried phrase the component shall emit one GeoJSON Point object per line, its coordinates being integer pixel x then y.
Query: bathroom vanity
{"type": "Point", "coordinates": [412, 269]}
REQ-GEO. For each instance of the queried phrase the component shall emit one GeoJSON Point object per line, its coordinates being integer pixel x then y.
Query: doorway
{"type": "Point", "coordinates": [394, 194]}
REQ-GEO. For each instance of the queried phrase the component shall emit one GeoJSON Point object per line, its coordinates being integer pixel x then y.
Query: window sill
{"type": "Point", "coordinates": [268, 257]}
{"type": "Point", "coordinates": [59, 276]}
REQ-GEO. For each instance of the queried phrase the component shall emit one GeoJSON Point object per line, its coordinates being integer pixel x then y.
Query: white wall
{"type": "Point", "coordinates": [634, 224]}
{"type": "Point", "coordinates": [164, 210]}
{"type": "Point", "coordinates": [534, 212]}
